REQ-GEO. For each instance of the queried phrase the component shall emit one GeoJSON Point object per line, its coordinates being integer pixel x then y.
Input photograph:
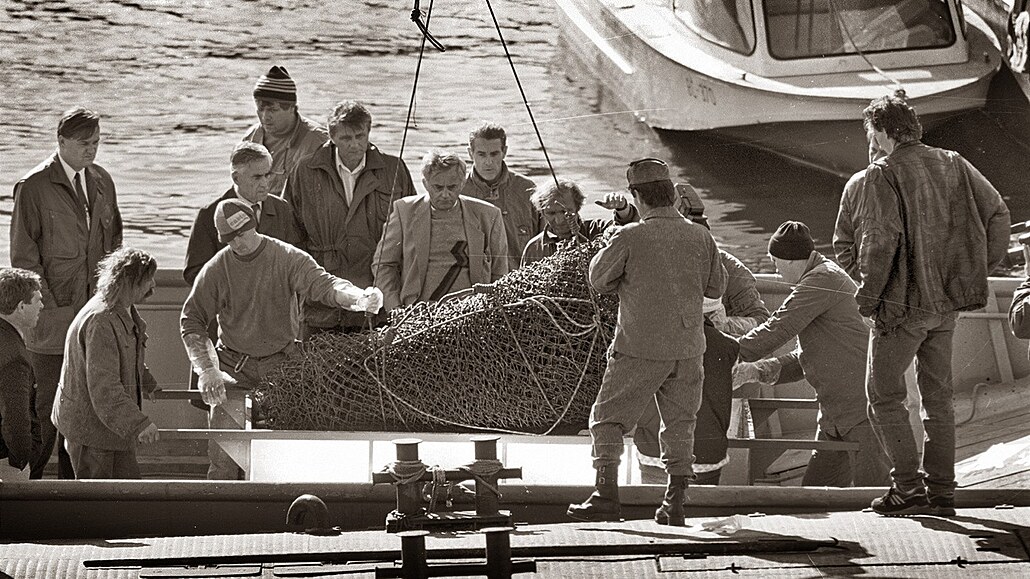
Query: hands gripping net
{"type": "Point", "coordinates": [527, 358]}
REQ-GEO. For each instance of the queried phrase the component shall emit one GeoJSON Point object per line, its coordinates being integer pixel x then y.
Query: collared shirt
{"type": "Point", "coordinates": [349, 177]}
{"type": "Point", "coordinates": [255, 207]}
{"type": "Point", "coordinates": [71, 181]}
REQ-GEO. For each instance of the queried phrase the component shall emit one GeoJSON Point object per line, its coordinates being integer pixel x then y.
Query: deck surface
{"type": "Point", "coordinates": [976, 542]}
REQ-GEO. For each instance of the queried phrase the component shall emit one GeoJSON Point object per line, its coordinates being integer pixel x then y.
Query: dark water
{"type": "Point", "coordinates": [173, 82]}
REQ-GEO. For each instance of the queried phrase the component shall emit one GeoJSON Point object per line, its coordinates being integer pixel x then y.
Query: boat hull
{"type": "Point", "coordinates": [811, 119]}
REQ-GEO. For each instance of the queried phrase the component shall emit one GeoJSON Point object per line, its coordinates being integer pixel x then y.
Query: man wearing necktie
{"type": "Point", "coordinates": [65, 220]}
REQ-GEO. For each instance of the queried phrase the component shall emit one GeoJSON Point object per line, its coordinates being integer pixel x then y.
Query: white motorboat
{"type": "Point", "coordinates": [788, 76]}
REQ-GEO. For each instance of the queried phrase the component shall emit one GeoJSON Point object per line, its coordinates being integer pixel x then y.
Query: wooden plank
{"type": "Point", "coordinates": [783, 403]}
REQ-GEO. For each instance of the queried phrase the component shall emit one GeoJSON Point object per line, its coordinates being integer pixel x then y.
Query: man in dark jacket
{"type": "Point", "coordinates": [252, 179]}
{"type": "Point", "coordinates": [20, 303]}
{"type": "Point", "coordinates": [932, 229]}
{"type": "Point", "coordinates": [65, 220]}
{"type": "Point", "coordinates": [342, 196]}
{"type": "Point", "coordinates": [288, 135]}
{"type": "Point", "coordinates": [489, 179]}
{"type": "Point", "coordinates": [105, 376]}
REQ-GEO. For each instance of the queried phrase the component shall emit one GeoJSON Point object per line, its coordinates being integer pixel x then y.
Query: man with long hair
{"type": "Point", "coordinates": [104, 375]}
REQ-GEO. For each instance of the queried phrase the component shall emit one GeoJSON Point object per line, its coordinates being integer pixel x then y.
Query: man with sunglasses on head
{"type": "Point", "coordinates": [662, 268]}
{"type": "Point", "coordinates": [287, 135]}
{"type": "Point", "coordinates": [65, 221]}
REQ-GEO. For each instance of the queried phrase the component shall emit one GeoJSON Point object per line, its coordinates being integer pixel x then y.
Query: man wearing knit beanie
{"type": "Point", "coordinates": [281, 128]}
{"type": "Point", "coordinates": [833, 339]}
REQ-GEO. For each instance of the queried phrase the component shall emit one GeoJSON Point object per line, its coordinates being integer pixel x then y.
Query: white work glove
{"type": "Point", "coordinates": [212, 386]}
{"type": "Point", "coordinates": [765, 372]}
{"type": "Point", "coordinates": [370, 300]}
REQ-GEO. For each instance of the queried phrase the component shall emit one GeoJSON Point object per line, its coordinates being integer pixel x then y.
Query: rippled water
{"type": "Point", "coordinates": [173, 82]}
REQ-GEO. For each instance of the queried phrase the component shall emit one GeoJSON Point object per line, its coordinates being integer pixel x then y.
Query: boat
{"type": "Point", "coordinates": [997, 14]}
{"type": "Point", "coordinates": [787, 76]}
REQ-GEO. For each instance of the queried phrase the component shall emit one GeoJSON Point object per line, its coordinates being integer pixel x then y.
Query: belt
{"type": "Point", "coordinates": [242, 359]}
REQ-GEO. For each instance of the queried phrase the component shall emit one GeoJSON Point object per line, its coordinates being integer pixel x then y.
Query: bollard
{"type": "Point", "coordinates": [487, 501]}
{"type": "Point", "coordinates": [498, 552]}
{"type": "Point", "coordinates": [414, 564]}
{"type": "Point", "coordinates": [409, 495]}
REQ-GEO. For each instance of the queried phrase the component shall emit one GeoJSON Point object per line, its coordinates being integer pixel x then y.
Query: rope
{"type": "Point", "coordinates": [483, 468]}
{"type": "Point", "coordinates": [525, 100]}
{"type": "Point", "coordinates": [406, 471]}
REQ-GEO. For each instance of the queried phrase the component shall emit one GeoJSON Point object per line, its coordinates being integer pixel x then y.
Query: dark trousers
{"type": "Point", "coordinates": [47, 369]}
{"type": "Point", "coordinates": [92, 462]}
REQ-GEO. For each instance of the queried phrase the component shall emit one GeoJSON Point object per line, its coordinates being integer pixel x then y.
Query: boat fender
{"type": "Point", "coordinates": [309, 514]}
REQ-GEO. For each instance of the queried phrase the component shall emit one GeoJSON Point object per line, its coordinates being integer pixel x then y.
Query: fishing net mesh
{"type": "Point", "coordinates": [526, 358]}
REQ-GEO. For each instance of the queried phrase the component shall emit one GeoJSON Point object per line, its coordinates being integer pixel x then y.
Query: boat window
{"type": "Point", "coordinates": [812, 28]}
{"type": "Point", "coordinates": [730, 23]}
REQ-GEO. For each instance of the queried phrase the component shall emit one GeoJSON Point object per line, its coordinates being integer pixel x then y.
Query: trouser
{"type": "Point", "coordinates": [928, 339]}
{"type": "Point", "coordinates": [231, 414]}
{"type": "Point", "coordinates": [47, 369]}
{"type": "Point", "coordinates": [629, 385]}
{"type": "Point", "coordinates": [837, 468]}
{"type": "Point", "coordinates": [92, 462]}
{"type": "Point", "coordinates": [713, 416]}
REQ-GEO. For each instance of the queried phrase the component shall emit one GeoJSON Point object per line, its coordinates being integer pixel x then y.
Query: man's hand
{"type": "Point", "coordinates": [614, 201]}
{"type": "Point", "coordinates": [212, 386]}
{"type": "Point", "coordinates": [371, 301]}
{"type": "Point", "coordinates": [148, 435]}
{"type": "Point", "coordinates": [765, 372]}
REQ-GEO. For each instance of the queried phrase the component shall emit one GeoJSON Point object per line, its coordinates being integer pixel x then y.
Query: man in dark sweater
{"type": "Point", "coordinates": [21, 300]}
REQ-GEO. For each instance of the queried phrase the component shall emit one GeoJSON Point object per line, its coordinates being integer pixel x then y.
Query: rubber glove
{"type": "Point", "coordinates": [370, 300]}
{"type": "Point", "coordinates": [765, 371]}
{"type": "Point", "coordinates": [212, 386]}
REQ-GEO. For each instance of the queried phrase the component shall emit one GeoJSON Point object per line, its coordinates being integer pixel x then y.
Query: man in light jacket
{"type": "Point", "coordinates": [288, 135]}
{"type": "Point", "coordinates": [662, 268]}
{"type": "Point", "coordinates": [440, 242]}
{"type": "Point", "coordinates": [105, 376]}
{"type": "Point", "coordinates": [65, 220]}
{"type": "Point", "coordinates": [932, 229]}
{"type": "Point", "coordinates": [822, 313]}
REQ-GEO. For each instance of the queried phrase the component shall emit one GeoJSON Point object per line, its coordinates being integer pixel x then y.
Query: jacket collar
{"type": "Point", "coordinates": [660, 213]}
{"type": "Point", "coordinates": [325, 158]}
{"type": "Point", "coordinates": [482, 185]}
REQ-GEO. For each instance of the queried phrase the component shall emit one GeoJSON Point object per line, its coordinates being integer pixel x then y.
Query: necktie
{"type": "Point", "coordinates": [81, 194]}
{"type": "Point", "coordinates": [256, 209]}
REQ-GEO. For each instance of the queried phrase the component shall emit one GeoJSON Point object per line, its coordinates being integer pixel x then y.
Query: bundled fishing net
{"type": "Point", "coordinates": [526, 358]}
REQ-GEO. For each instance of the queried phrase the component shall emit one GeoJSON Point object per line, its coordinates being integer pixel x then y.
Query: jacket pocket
{"type": "Point", "coordinates": [61, 239]}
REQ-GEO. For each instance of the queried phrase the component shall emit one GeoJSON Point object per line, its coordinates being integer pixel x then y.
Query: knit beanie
{"type": "Point", "coordinates": [276, 85]}
{"type": "Point", "coordinates": [233, 217]}
{"type": "Point", "coordinates": [792, 241]}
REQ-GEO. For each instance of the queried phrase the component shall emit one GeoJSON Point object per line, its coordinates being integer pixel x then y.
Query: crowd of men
{"type": "Point", "coordinates": [322, 232]}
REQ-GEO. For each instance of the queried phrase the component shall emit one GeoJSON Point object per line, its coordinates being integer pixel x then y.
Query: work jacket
{"type": "Point", "coordinates": [832, 337]}
{"type": "Point", "coordinates": [510, 193]}
{"type": "Point", "coordinates": [104, 378]}
{"type": "Point", "coordinates": [402, 257]}
{"type": "Point", "coordinates": [16, 384]}
{"type": "Point", "coordinates": [662, 268]}
{"type": "Point", "coordinates": [342, 237]}
{"type": "Point", "coordinates": [932, 229]}
{"type": "Point", "coordinates": [307, 137]}
{"type": "Point", "coordinates": [50, 236]}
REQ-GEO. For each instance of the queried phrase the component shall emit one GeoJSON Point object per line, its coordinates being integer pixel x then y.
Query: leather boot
{"type": "Point", "coordinates": [671, 511]}
{"type": "Point", "coordinates": [603, 503]}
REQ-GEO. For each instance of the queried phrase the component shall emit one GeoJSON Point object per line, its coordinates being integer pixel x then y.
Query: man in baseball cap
{"type": "Point", "coordinates": [281, 128]}
{"type": "Point", "coordinates": [251, 289]}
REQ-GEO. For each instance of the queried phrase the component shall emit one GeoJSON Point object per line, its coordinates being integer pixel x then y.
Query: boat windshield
{"type": "Point", "coordinates": [813, 28]}
{"type": "Point", "coordinates": [730, 23]}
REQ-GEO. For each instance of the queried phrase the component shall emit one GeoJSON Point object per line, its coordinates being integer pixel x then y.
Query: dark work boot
{"type": "Point", "coordinates": [603, 503]}
{"type": "Point", "coordinates": [671, 511]}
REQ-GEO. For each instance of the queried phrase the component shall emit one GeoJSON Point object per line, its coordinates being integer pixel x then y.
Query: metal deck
{"type": "Point", "coordinates": [976, 542]}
